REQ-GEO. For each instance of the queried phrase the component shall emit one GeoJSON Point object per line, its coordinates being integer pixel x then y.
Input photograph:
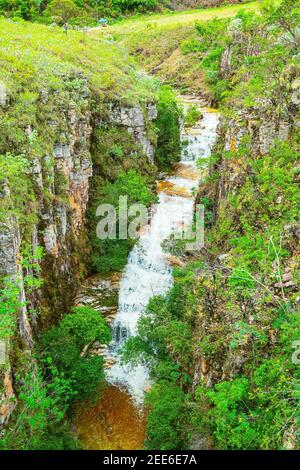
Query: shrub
{"type": "Point", "coordinates": [192, 116]}
{"type": "Point", "coordinates": [166, 417]}
{"type": "Point", "coordinates": [66, 346]}
{"type": "Point", "coordinates": [111, 255]}
{"type": "Point", "coordinates": [168, 124]}
{"type": "Point", "coordinates": [63, 11]}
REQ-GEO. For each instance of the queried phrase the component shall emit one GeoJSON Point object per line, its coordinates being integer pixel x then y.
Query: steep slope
{"type": "Point", "coordinates": [233, 378]}
{"type": "Point", "coordinates": [155, 41]}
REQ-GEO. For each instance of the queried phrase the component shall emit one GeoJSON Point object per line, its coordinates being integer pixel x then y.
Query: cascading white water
{"type": "Point", "coordinates": [147, 272]}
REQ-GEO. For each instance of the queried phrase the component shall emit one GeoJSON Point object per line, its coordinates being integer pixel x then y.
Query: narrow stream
{"type": "Point", "coordinates": [118, 421]}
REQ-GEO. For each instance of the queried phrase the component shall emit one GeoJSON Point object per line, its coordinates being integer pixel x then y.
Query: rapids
{"type": "Point", "coordinates": [147, 272]}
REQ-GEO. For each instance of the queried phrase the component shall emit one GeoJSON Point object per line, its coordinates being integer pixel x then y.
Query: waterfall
{"type": "Point", "coordinates": [147, 272]}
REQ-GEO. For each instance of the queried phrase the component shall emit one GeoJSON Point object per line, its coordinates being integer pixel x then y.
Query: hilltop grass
{"type": "Point", "coordinates": [154, 40]}
{"type": "Point", "coordinates": [139, 22]}
{"type": "Point", "coordinates": [33, 56]}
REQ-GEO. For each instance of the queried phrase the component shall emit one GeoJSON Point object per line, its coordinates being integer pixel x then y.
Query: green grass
{"type": "Point", "coordinates": [177, 18]}
{"type": "Point", "coordinates": [154, 40]}
{"type": "Point", "coordinates": [33, 56]}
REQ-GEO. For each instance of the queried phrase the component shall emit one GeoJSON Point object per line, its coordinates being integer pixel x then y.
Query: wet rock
{"type": "Point", "coordinates": [295, 98]}
{"type": "Point", "coordinates": [223, 257]}
{"type": "Point", "coordinates": [127, 117]}
{"type": "Point", "coordinates": [9, 247]}
{"type": "Point", "coordinates": [201, 442]}
{"type": "Point", "coordinates": [101, 294]}
{"type": "Point", "coordinates": [151, 111]}
{"type": "Point", "coordinates": [290, 440]}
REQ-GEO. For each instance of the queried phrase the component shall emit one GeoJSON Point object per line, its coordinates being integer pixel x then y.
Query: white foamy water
{"type": "Point", "coordinates": [147, 272]}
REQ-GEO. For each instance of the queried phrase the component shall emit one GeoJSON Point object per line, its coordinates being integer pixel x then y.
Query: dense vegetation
{"type": "Point", "coordinates": [57, 79]}
{"type": "Point", "coordinates": [62, 373]}
{"type": "Point", "coordinates": [73, 12]}
{"type": "Point", "coordinates": [131, 175]}
{"type": "Point", "coordinates": [221, 344]}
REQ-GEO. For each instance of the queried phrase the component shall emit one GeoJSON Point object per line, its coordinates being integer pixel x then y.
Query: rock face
{"type": "Point", "coordinates": [3, 95]}
{"type": "Point", "coordinates": [133, 119]}
{"type": "Point", "coordinates": [60, 180]}
{"type": "Point", "coordinates": [7, 398]}
{"type": "Point", "coordinates": [9, 247]}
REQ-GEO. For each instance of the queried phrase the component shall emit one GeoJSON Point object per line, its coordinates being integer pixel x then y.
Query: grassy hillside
{"type": "Point", "coordinates": [33, 55]}
{"type": "Point", "coordinates": [133, 25]}
{"type": "Point", "coordinates": [155, 42]}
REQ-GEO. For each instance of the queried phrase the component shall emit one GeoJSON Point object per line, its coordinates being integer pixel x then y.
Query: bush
{"type": "Point", "coordinates": [66, 346]}
{"type": "Point", "coordinates": [168, 125]}
{"type": "Point", "coordinates": [63, 11]}
{"type": "Point", "coordinates": [133, 5]}
{"type": "Point", "coordinates": [192, 116]}
{"type": "Point", "coordinates": [166, 417]}
{"type": "Point", "coordinates": [26, 9]}
{"type": "Point", "coordinates": [85, 325]}
{"type": "Point", "coordinates": [109, 254]}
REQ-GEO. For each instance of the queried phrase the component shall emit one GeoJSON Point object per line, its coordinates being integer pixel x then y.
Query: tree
{"type": "Point", "coordinates": [85, 325]}
{"type": "Point", "coordinates": [41, 404]}
{"type": "Point", "coordinates": [169, 113]}
{"type": "Point", "coordinates": [66, 346]}
{"type": "Point", "coordinates": [26, 9]}
{"type": "Point", "coordinates": [63, 10]}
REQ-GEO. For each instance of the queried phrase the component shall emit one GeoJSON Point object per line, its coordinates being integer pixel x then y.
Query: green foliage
{"type": "Point", "coordinates": [16, 187]}
{"type": "Point", "coordinates": [26, 9]}
{"type": "Point", "coordinates": [233, 428]}
{"type": "Point", "coordinates": [212, 42]}
{"type": "Point", "coordinates": [9, 306]}
{"type": "Point", "coordinates": [64, 372]}
{"type": "Point", "coordinates": [54, 61]}
{"type": "Point", "coordinates": [192, 116]}
{"type": "Point", "coordinates": [129, 184]}
{"type": "Point", "coordinates": [11, 286]}
{"type": "Point", "coordinates": [134, 5]}
{"type": "Point", "coordinates": [85, 325]}
{"type": "Point", "coordinates": [168, 125]}
{"type": "Point", "coordinates": [111, 254]}
{"type": "Point", "coordinates": [73, 12]}
{"type": "Point", "coordinates": [42, 407]}
{"type": "Point", "coordinates": [251, 413]}
{"type": "Point", "coordinates": [62, 11]}
{"type": "Point", "coordinates": [66, 346]}
{"type": "Point", "coordinates": [166, 416]}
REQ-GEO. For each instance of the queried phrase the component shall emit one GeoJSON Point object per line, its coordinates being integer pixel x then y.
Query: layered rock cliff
{"type": "Point", "coordinates": [50, 126]}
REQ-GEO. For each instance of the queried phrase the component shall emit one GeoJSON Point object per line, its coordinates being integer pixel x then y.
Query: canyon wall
{"type": "Point", "coordinates": [57, 207]}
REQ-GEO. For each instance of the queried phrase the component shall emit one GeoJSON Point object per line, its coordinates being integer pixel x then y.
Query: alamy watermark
{"type": "Point", "coordinates": [128, 221]}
